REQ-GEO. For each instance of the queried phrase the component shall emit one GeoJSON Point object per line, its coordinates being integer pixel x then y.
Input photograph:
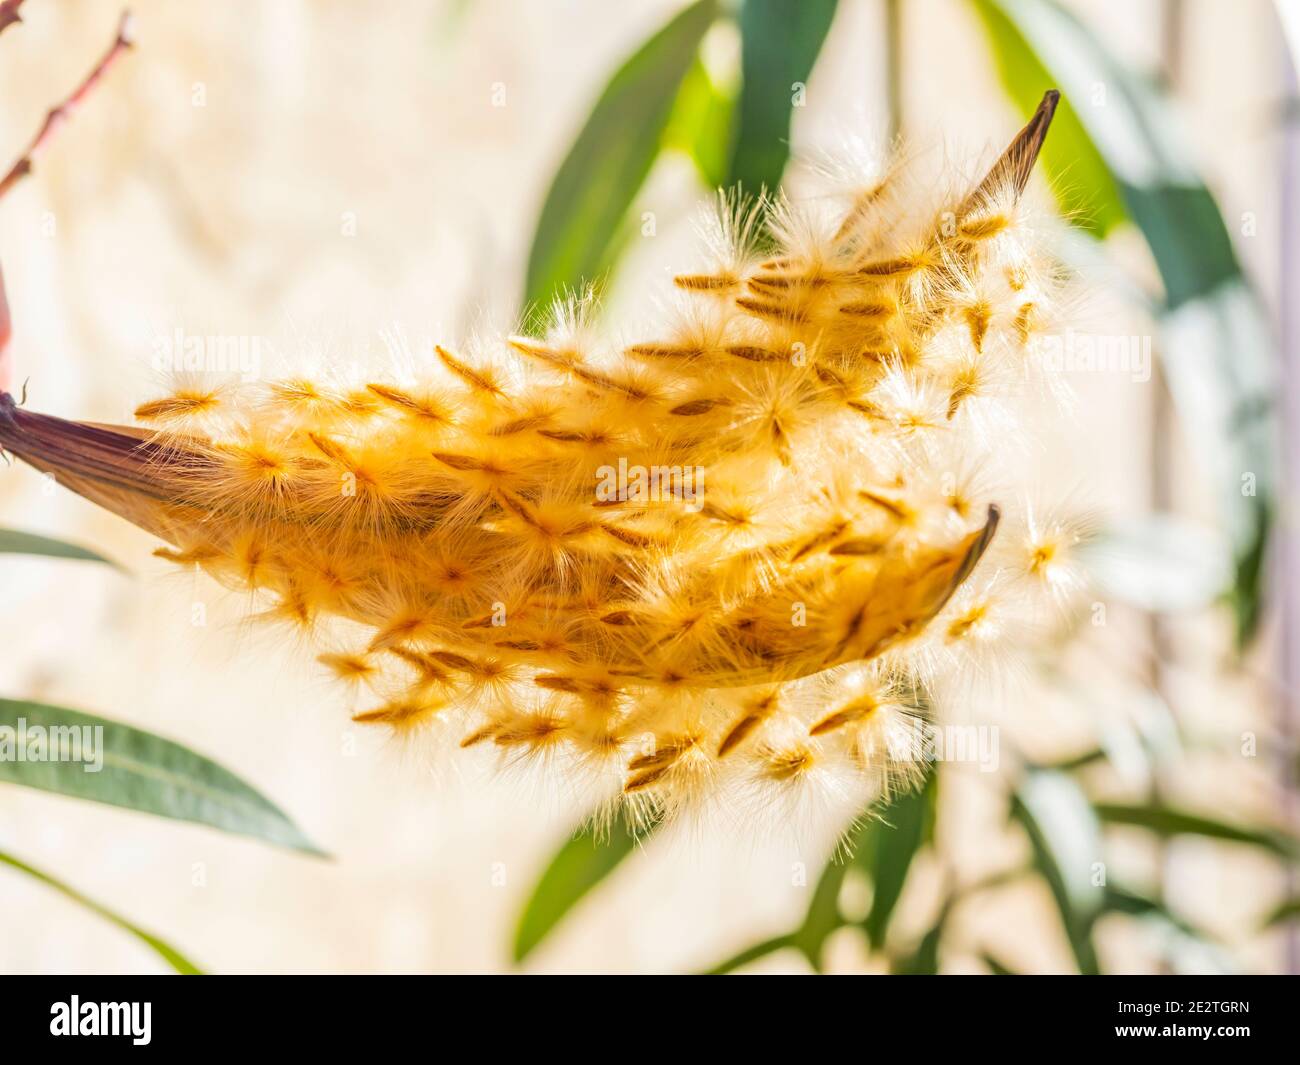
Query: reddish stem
{"type": "Point", "coordinates": [59, 115]}
{"type": "Point", "coordinates": [56, 117]}
{"type": "Point", "coordinates": [9, 13]}
{"type": "Point", "coordinates": [6, 330]}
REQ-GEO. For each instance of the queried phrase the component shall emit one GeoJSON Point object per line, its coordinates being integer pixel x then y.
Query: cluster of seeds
{"type": "Point", "coordinates": [729, 556]}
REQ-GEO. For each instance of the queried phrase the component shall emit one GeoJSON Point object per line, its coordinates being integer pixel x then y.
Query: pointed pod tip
{"type": "Point", "coordinates": [1011, 172]}
{"type": "Point", "coordinates": [977, 544]}
{"type": "Point", "coordinates": [1030, 139]}
{"type": "Point", "coordinates": [1043, 114]}
{"type": "Point", "coordinates": [986, 534]}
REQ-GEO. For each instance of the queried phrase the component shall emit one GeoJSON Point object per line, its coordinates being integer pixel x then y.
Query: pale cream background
{"type": "Point", "coordinates": [152, 213]}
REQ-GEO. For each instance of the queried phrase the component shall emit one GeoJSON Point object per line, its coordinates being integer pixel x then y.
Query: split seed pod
{"type": "Point", "coordinates": [714, 559]}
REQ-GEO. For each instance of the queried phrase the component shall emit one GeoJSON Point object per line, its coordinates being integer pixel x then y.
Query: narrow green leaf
{"type": "Point", "coordinates": [1085, 191]}
{"type": "Point", "coordinates": [87, 757]}
{"type": "Point", "coordinates": [169, 954]}
{"type": "Point", "coordinates": [885, 850]}
{"type": "Point", "coordinates": [996, 967]}
{"type": "Point", "coordinates": [1087, 758]}
{"type": "Point", "coordinates": [1166, 823]}
{"type": "Point", "coordinates": [1217, 354]}
{"type": "Point", "coordinates": [578, 866]}
{"type": "Point", "coordinates": [882, 843]}
{"type": "Point", "coordinates": [779, 45]}
{"type": "Point", "coordinates": [1186, 948]}
{"type": "Point", "coordinates": [702, 124]}
{"type": "Point", "coordinates": [1218, 357]}
{"type": "Point", "coordinates": [823, 916]}
{"type": "Point", "coordinates": [750, 954]}
{"type": "Point", "coordinates": [1287, 911]}
{"type": "Point", "coordinates": [1136, 903]}
{"type": "Point", "coordinates": [14, 542]}
{"type": "Point", "coordinates": [610, 159]}
{"type": "Point", "coordinates": [1066, 841]}
{"type": "Point", "coordinates": [924, 960]}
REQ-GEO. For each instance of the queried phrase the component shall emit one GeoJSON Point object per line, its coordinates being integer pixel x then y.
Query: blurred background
{"type": "Point", "coordinates": [329, 178]}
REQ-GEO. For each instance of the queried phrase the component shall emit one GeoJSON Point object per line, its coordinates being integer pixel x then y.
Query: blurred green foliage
{"type": "Point", "coordinates": [581, 864]}
{"type": "Point", "coordinates": [1214, 342]}
{"type": "Point", "coordinates": [14, 542]}
{"type": "Point", "coordinates": [665, 97]}
{"type": "Point", "coordinates": [779, 43]}
{"type": "Point", "coordinates": [136, 770]}
{"type": "Point", "coordinates": [581, 220]}
{"type": "Point", "coordinates": [141, 771]}
{"type": "Point", "coordinates": [1114, 160]}
{"type": "Point", "coordinates": [881, 846]}
{"type": "Point", "coordinates": [164, 950]}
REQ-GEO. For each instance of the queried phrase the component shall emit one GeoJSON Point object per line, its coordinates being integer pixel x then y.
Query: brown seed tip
{"type": "Point", "coordinates": [1014, 166]}
{"type": "Point", "coordinates": [979, 545]}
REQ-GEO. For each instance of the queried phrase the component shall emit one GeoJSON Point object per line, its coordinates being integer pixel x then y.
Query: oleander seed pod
{"type": "Point", "coordinates": [726, 556]}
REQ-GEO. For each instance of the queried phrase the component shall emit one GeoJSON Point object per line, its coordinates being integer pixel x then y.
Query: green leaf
{"type": "Point", "coordinates": [779, 45]}
{"type": "Point", "coordinates": [750, 954]}
{"type": "Point", "coordinates": [1136, 903]}
{"type": "Point", "coordinates": [1215, 346]}
{"type": "Point", "coordinates": [137, 770]}
{"type": "Point", "coordinates": [1066, 841]}
{"type": "Point", "coordinates": [1080, 180]}
{"type": "Point", "coordinates": [885, 849]}
{"type": "Point", "coordinates": [996, 967]}
{"type": "Point", "coordinates": [823, 916]}
{"type": "Point", "coordinates": [1218, 360]}
{"type": "Point", "coordinates": [13, 542]}
{"type": "Point", "coordinates": [1184, 947]}
{"type": "Point", "coordinates": [609, 161]}
{"type": "Point", "coordinates": [1287, 911]}
{"type": "Point", "coordinates": [1166, 823]}
{"type": "Point", "coordinates": [578, 866]}
{"type": "Point", "coordinates": [169, 954]}
{"type": "Point", "coordinates": [1087, 758]}
{"type": "Point", "coordinates": [1160, 562]}
{"type": "Point", "coordinates": [924, 960]}
{"type": "Point", "coordinates": [702, 124]}
{"type": "Point", "coordinates": [882, 843]}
